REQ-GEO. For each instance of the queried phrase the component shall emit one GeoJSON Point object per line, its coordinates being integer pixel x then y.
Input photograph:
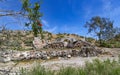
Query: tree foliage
{"type": "Point", "coordinates": [34, 16]}
{"type": "Point", "coordinates": [117, 29]}
{"type": "Point", "coordinates": [102, 27]}
{"type": "Point", "coordinates": [117, 34]}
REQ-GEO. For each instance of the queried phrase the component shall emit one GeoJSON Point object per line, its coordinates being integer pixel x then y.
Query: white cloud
{"type": "Point", "coordinates": [107, 5]}
{"type": "Point", "coordinates": [52, 30]}
{"type": "Point", "coordinates": [49, 28]}
{"type": "Point", "coordinates": [110, 10]}
{"type": "Point", "coordinates": [45, 23]}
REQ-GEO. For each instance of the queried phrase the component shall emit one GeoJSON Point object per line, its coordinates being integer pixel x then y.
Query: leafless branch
{"type": "Point", "coordinates": [1, 10]}
{"type": "Point", "coordinates": [10, 14]}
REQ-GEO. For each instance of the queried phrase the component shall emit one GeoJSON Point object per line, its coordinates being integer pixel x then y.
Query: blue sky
{"type": "Point", "coordinates": [65, 15]}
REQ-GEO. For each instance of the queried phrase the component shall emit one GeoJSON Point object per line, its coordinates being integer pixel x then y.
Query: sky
{"type": "Point", "coordinates": [64, 16]}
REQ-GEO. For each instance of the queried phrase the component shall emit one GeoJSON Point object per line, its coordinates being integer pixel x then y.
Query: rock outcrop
{"type": "Point", "coordinates": [65, 49]}
{"type": "Point", "coordinates": [37, 43]}
{"type": "Point", "coordinates": [69, 44]}
{"type": "Point", "coordinates": [44, 54]}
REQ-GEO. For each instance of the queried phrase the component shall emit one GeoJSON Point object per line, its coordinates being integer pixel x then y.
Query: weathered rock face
{"type": "Point", "coordinates": [89, 51]}
{"type": "Point", "coordinates": [37, 43]}
{"type": "Point", "coordinates": [70, 44]}
{"type": "Point", "coordinates": [73, 49]}
{"type": "Point", "coordinates": [56, 45]}
{"type": "Point", "coordinates": [26, 55]}
{"type": "Point", "coordinates": [59, 44]}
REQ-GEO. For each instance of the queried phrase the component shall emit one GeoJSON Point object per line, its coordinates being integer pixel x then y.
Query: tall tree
{"type": "Point", "coordinates": [34, 15]}
{"type": "Point", "coordinates": [102, 27]}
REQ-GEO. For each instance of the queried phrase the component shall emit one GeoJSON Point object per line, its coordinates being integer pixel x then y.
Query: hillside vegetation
{"type": "Point", "coordinates": [22, 40]}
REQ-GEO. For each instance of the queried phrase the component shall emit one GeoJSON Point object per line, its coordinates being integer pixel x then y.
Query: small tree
{"type": "Point", "coordinates": [102, 27]}
{"type": "Point", "coordinates": [34, 15]}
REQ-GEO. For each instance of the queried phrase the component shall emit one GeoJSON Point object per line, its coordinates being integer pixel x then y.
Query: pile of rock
{"type": "Point", "coordinates": [59, 44]}
{"type": "Point", "coordinates": [69, 44]}
{"type": "Point", "coordinates": [26, 55]}
{"type": "Point", "coordinates": [90, 51]}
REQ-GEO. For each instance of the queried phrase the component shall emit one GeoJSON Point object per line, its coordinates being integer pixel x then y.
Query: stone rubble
{"type": "Point", "coordinates": [73, 48]}
{"type": "Point", "coordinates": [44, 54]}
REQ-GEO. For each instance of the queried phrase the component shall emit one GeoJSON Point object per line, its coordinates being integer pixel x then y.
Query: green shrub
{"type": "Point", "coordinates": [38, 70]}
{"type": "Point", "coordinates": [105, 44]}
{"type": "Point", "coordinates": [68, 71]}
{"type": "Point", "coordinates": [97, 67]}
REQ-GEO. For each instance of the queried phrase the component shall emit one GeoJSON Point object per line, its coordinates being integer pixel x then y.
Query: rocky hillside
{"type": "Point", "coordinates": [22, 40]}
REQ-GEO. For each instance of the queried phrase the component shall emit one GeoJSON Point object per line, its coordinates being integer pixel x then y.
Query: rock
{"type": "Point", "coordinates": [59, 58]}
{"type": "Point", "coordinates": [38, 44]}
{"type": "Point", "coordinates": [69, 56]}
{"type": "Point", "coordinates": [89, 51]}
{"type": "Point", "coordinates": [37, 55]}
{"type": "Point", "coordinates": [5, 59]}
{"type": "Point", "coordinates": [48, 57]}
{"type": "Point", "coordinates": [53, 54]}
{"type": "Point", "coordinates": [65, 44]}
{"type": "Point", "coordinates": [44, 57]}
{"type": "Point", "coordinates": [85, 51]}
{"type": "Point", "coordinates": [75, 52]}
{"type": "Point", "coordinates": [24, 54]}
{"type": "Point", "coordinates": [70, 45]}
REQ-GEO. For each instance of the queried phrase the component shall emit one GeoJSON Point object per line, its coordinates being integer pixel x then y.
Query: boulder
{"type": "Point", "coordinates": [38, 44]}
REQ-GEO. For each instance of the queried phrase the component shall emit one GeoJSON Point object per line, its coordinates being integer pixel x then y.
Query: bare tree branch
{"type": "Point", "coordinates": [1, 10]}
{"type": "Point", "coordinates": [11, 14]}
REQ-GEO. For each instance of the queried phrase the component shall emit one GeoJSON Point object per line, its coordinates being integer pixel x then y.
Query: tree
{"type": "Point", "coordinates": [31, 11]}
{"type": "Point", "coordinates": [108, 32]}
{"type": "Point", "coordinates": [102, 27]}
{"type": "Point", "coordinates": [117, 29]}
{"type": "Point", "coordinates": [34, 16]}
{"type": "Point", "coordinates": [117, 34]}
